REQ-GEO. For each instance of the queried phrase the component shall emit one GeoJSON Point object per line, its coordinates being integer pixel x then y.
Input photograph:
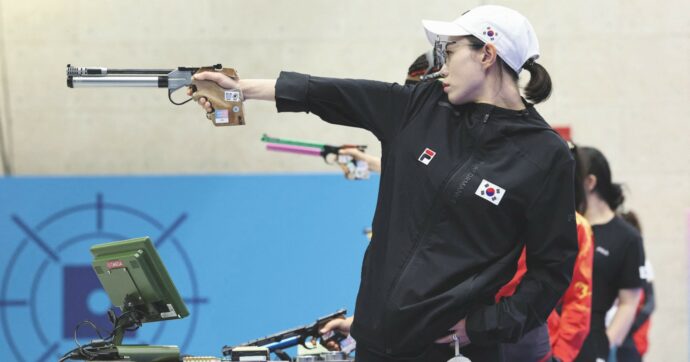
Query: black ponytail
{"type": "Point", "coordinates": [632, 219]}
{"type": "Point", "coordinates": [594, 163]}
{"type": "Point", "coordinates": [615, 196]}
{"type": "Point", "coordinates": [539, 87]}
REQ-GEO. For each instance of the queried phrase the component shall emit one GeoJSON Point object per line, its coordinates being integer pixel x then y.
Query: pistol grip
{"type": "Point", "coordinates": [332, 336]}
{"type": "Point", "coordinates": [227, 103]}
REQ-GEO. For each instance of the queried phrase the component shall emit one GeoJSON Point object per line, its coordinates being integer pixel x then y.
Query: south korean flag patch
{"type": "Point", "coordinates": [490, 192]}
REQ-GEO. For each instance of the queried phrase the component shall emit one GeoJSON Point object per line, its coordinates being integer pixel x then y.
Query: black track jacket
{"type": "Point", "coordinates": [441, 249]}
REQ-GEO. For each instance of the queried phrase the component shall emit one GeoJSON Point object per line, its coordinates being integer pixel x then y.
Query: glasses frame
{"type": "Point", "coordinates": [440, 52]}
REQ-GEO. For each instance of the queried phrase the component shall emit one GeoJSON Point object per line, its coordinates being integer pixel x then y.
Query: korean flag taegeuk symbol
{"type": "Point", "coordinates": [490, 192]}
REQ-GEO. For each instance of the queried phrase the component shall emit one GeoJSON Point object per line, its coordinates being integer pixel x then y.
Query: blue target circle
{"type": "Point", "coordinates": [96, 301]}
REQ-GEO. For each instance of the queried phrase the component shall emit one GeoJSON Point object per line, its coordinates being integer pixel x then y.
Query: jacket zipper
{"type": "Point", "coordinates": [425, 229]}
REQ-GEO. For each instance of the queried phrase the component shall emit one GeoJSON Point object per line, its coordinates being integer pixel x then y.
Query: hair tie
{"type": "Point", "coordinates": [529, 63]}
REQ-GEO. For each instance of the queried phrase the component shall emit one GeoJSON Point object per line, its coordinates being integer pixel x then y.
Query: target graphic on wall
{"type": "Point", "coordinates": [48, 285]}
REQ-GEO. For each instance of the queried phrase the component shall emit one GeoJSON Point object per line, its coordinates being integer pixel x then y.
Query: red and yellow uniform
{"type": "Point", "coordinates": [569, 329]}
{"type": "Point", "coordinates": [640, 337]}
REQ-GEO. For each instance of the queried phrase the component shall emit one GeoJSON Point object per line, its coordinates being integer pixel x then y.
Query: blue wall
{"type": "Point", "coordinates": [251, 255]}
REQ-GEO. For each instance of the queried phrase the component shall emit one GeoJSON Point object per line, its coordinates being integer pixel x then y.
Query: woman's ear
{"type": "Point", "coordinates": [489, 55]}
{"type": "Point", "coordinates": [590, 183]}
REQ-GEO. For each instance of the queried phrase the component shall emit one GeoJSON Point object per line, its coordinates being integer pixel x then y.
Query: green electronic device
{"type": "Point", "coordinates": [136, 281]}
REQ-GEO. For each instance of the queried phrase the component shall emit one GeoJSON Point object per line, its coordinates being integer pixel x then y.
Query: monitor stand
{"type": "Point", "coordinates": [141, 352]}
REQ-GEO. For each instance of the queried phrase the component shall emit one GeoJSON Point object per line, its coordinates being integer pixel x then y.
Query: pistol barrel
{"type": "Point", "coordinates": [108, 77]}
{"type": "Point", "coordinates": [107, 81]}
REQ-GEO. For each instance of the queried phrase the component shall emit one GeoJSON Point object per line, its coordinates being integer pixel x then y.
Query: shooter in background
{"type": "Point", "coordinates": [471, 173]}
{"type": "Point", "coordinates": [423, 66]}
{"type": "Point", "coordinates": [618, 259]}
{"type": "Point", "coordinates": [353, 169]}
{"type": "Point", "coordinates": [569, 323]}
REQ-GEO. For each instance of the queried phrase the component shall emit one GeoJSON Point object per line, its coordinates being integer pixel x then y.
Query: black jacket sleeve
{"type": "Point", "coordinates": [375, 106]}
{"type": "Point", "coordinates": [551, 245]}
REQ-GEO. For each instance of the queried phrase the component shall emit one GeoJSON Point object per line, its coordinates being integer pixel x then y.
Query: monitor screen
{"type": "Point", "coordinates": [136, 280]}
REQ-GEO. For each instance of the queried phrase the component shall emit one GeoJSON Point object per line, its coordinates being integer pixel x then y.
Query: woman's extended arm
{"type": "Point", "coordinates": [376, 106]}
{"type": "Point", "coordinates": [261, 89]}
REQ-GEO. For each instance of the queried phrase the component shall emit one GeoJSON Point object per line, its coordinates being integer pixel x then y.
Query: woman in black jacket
{"type": "Point", "coordinates": [470, 174]}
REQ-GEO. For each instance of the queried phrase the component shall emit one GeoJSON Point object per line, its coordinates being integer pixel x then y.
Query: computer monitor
{"type": "Point", "coordinates": [137, 282]}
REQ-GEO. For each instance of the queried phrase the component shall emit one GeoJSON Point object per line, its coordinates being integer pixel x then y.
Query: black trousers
{"type": "Point", "coordinates": [628, 354]}
{"type": "Point", "coordinates": [436, 353]}
{"type": "Point", "coordinates": [596, 346]}
{"type": "Point", "coordinates": [533, 347]}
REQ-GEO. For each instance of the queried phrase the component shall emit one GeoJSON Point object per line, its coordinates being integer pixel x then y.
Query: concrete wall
{"type": "Point", "coordinates": [620, 70]}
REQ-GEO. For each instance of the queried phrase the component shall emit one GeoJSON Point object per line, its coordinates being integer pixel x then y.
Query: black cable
{"type": "Point", "coordinates": [88, 351]}
{"type": "Point", "coordinates": [97, 329]}
{"type": "Point", "coordinates": [66, 356]}
{"type": "Point", "coordinates": [128, 321]}
{"type": "Point", "coordinates": [81, 348]}
{"type": "Point", "coordinates": [116, 323]}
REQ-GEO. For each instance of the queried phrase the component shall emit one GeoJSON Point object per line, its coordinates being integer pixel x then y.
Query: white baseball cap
{"type": "Point", "coordinates": [509, 31]}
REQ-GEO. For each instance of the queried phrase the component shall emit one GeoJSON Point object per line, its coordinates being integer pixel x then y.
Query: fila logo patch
{"type": "Point", "coordinates": [602, 251]}
{"type": "Point", "coordinates": [490, 192]}
{"type": "Point", "coordinates": [427, 156]}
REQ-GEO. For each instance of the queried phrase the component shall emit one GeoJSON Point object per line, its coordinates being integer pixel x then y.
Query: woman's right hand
{"type": "Point", "coordinates": [221, 79]}
{"type": "Point", "coordinates": [337, 325]}
{"type": "Point", "coordinates": [373, 162]}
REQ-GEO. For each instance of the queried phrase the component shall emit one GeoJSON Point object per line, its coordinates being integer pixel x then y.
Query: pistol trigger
{"type": "Point", "coordinates": [330, 156]}
{"type": "Point", "coordinates": [170, 92]}
{"type": "Point", "coordinates": [303, 342]}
